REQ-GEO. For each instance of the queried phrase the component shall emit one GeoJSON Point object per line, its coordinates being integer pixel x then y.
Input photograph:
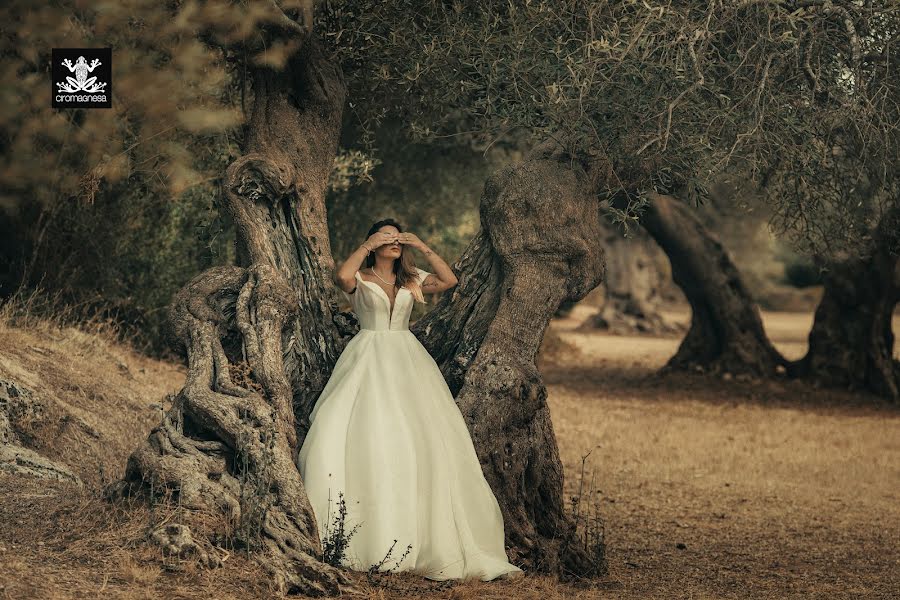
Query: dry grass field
{"type": "Point", "coordinates": [708, 488]}
{"type": "Point", "coordinates": [730, 490]}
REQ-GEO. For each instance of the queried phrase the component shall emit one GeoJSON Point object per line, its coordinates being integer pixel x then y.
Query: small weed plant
{"type": "Point", "coordinates": [336, 539]}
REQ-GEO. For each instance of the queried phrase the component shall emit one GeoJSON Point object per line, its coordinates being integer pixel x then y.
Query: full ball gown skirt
{"type": "Point", "coordinates": [387, 433]}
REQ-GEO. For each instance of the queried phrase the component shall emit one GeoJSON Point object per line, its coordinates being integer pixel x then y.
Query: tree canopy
{"type": "Point", "coordinates": [664, 95]}
{"type": "Point", "coordinates": [800, 94]}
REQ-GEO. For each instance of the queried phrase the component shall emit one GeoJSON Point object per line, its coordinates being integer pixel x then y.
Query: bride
{"type": "Point", "coordinates": [387, 435]}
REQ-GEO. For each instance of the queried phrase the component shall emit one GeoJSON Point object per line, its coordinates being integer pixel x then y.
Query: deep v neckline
{"type": "Point", "coordinates": [384, 294]}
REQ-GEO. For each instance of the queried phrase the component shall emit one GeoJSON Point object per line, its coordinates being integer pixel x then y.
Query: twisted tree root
{"type": "Point", "coordinates": [220, 440]}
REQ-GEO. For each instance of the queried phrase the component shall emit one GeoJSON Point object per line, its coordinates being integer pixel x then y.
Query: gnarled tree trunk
{"type": "Point", "coordinates": [537, 248]}
{"type": "Point", "coordinates": [229, 449]}
{"type": "Point", "coordinates": [276, 195]}
{"type": "Point", "coordinates": [454, 329]}
{"type": "Point", "coordinates": [851, 343]}
{"type": "Point", "coordinates": [726, 333]}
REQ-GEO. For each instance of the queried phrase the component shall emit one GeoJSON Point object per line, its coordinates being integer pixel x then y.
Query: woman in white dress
{"type": "Point", "coordinates": [387, 434]}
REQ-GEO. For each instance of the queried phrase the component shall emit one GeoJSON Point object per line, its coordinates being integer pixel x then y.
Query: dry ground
{"type": "Point", "coordinates": [708, 488]}
{"type": "Point", "coordinates": [775, 490]}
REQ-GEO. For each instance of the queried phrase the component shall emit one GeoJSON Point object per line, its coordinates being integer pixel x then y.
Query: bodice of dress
{"type": "Point", "coordinates": [372, 305]}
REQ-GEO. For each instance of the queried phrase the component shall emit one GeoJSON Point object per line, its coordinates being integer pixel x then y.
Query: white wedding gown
{"type": "Point", "coordinates": [387, 433]}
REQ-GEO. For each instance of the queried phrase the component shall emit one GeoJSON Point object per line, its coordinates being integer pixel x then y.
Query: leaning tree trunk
{"type": "Point", "coordinates": [851, 343]}
{"type": "Point", "coordinates": [632, 302]}
{"type": "Point", "coordinates": [228, 447]}
{"type": "Point", "coordinates": [726, 333]}
{"type": "Point", "coordinates": [537, 248]}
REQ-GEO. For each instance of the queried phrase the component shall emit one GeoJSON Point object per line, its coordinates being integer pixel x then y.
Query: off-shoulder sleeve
{"type": "Point", "coordinates": [350, 297]}
{"type": "Point", "coordinates": [422, 275]}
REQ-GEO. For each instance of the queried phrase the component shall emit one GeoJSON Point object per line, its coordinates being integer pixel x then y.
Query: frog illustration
{"type": "Point", "coordinates": [81, 82]}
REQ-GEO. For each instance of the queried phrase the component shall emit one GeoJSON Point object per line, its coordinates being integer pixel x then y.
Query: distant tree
{"type": "Point", "coordinates": [852, 342]}
{"type": "Point", "coordinates": [836, 188]}
{"type": "Point", "coordinates": [636, 278]}
{"type": "Point", "coordinates": [857, 244]}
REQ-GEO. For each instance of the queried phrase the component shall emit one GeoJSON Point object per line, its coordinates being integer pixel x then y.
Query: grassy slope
{"type": "Point", "coordinates": [96, 396]}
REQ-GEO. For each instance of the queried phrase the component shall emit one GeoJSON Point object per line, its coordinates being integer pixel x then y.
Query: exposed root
{"type": "Point", "coordinates": [228, 450]}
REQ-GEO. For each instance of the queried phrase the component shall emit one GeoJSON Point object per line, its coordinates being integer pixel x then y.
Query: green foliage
{"type": "Point", "coordinates": [126, 254]}
{"type": "Point", "coordinates": [659, 95]}
{"type": "Point", "coordinates": [799, 270]}
{"type": "Point", "coordinates": [115, 208]}
{"type": "Point", "coordinates": [168, 86]}
{"type": "Point", "coordinates": [432, 191]}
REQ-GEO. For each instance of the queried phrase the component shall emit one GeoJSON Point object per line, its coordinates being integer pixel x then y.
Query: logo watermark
{"type": "Point", "coordinates": [81, 78]}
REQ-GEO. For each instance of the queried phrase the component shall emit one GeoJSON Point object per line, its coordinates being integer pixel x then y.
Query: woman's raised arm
{"type": "Point", "coordinates": [442, 278]}
{"type": "Point", "coordinates": [345, 275]}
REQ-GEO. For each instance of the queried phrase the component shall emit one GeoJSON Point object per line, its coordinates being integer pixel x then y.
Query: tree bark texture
{"type": "Point", "coordinates": [454, 329]}
{"type": "Point", "coordinates": [851, 343]}
{"type": "Point", "coordinates": [537, 248]}
{"type": "Point", "coordinates": [726, 332]}
{"type": "Point", "coordinates": [227, 448]}
{"type": "Point", "coordinates": [276, 195]}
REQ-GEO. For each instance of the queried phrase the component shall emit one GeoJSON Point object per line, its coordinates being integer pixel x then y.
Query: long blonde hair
{"type": "Point", "coordinates": [405, 271]}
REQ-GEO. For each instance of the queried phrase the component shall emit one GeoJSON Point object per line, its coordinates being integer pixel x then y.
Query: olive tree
{"type": "Point", "coordinates": [659, 98]}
